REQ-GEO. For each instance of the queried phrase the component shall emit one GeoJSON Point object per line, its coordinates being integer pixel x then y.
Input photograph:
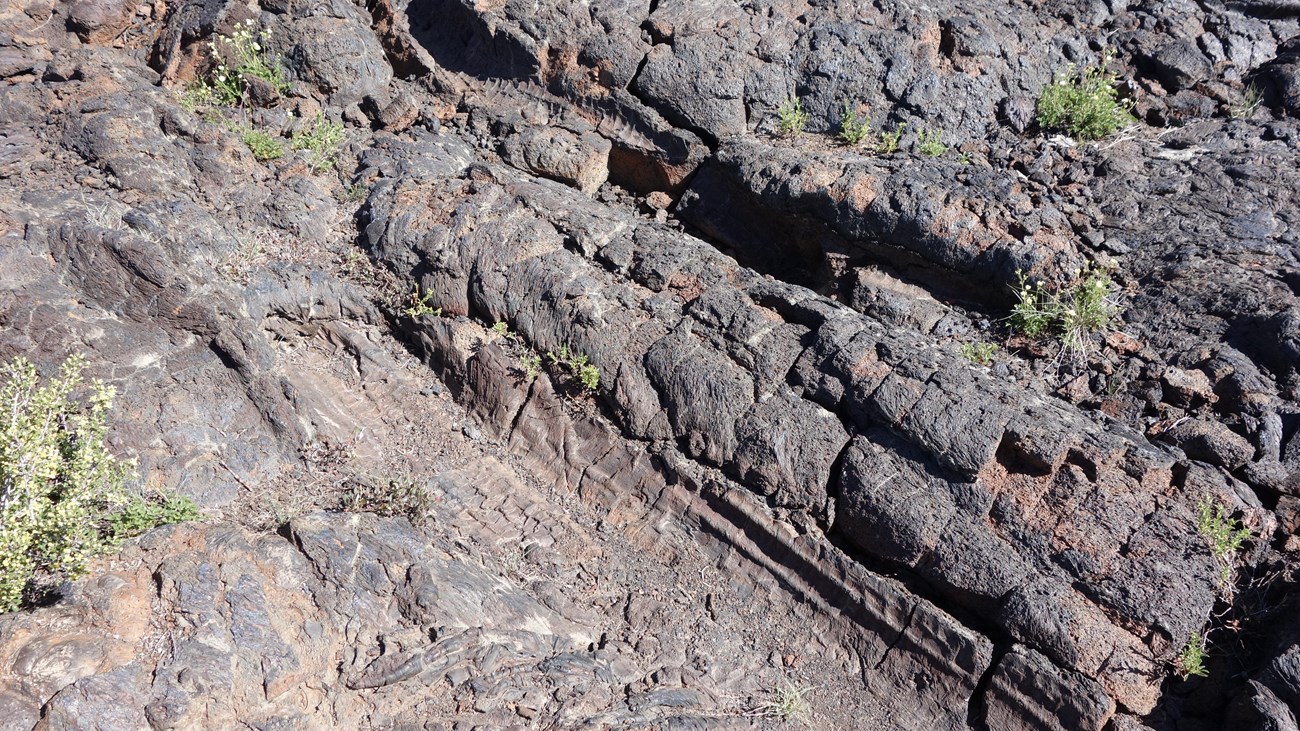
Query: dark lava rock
{"type": "Point", "coordinates": [1211, 442]}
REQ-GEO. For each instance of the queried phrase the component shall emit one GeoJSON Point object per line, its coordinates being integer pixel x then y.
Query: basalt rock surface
{"type": "Point", "coordinates": [686, 400]}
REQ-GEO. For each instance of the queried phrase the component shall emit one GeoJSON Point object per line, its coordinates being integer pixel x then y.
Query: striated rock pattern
{"type": "Point", "coordinates": [784, 497]}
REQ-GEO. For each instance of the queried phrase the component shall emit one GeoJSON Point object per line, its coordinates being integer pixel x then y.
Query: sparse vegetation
{"type": "Point", "coordinates": [1191, 660]}
{"type": "Point", "coordinates": [930, 142]}
{"type": "Point", "coordinates": [356, 192]}
{"type": "Point", "coordinates": [420, 305]}
{"type": "Point", "coordinates": [1251, 98]}
{"type": "Point", "coordinates": [889, 141]}
{"type": "Point", "coordinates": [853, 129]}
{"type": "Point", "coordinates": [979, 353]}
{"type": "Point", "coordinates": [63, 496]}
{"type": "Point", "coordinates": [390, 498]}
{"type": "Point", "coordinates": [791, 117]}
{"type": "Point", "coordinates": [786, 702]}
{"type": "Point", "coordinates": [578, 366]}
{"type": "Point", "coordinates": [141, 515]}
{"type": "Point", "coordinates": [1073, 315]}
{"type": "Point", "coordinates": [321, 143]}
{"type": "Point", "coordinates": [1085, 105]}
{"type": "Point", "coordinates": [1224, 534]}
{"type": "Point", "coordinates": [263, 146]}
{"type": "Point", "coordinates": [531, 363]}
{"type": "Point", "coordinates": [223, 96]}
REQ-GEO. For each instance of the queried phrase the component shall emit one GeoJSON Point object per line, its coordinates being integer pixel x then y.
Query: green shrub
{"type": "Point", "coordinates": [62, 494]}
{"type": "Point", "coordinates": [791, 117]}
{"type": "Point", "coordinates": [263, 146]}
{"type": "Point", "coordinates": [1085, 105]}
{"type": "Point", "coordinates": [930, 142]}
{"type": "Point", "coordinates": [578, 366]}
{"type": "Point", "coordinates": [321, 143]}
{"type": "Point", "coordinates": [531, 364]}
{"type": "Point", "coordinates": [419, 305]}
{"type": "Point", "coordinates": [853, 129]}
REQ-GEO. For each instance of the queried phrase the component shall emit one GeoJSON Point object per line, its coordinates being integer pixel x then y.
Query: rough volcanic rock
{"type": "Point", "coordinates": [957, 477]}
{"type": "Point", "coordinates": [208, 626]}
{"type": "Point", "coordinates": [786, 480]}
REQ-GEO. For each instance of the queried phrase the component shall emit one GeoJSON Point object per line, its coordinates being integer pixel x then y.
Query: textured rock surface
{"type": "Point", "coordinates": [788, 481]}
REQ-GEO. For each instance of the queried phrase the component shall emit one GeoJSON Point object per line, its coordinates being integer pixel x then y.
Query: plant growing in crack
{"type": "Point", "coordinates": [321, 143]}
{"type": "Point", "coordinates": [1224, 535]}
{"type": "Point", "coordinates": [979, 353]}
{"type": "Point", "coordinates": [1084, 104]}
{"type": "Point", "coordinates": [1191, 659]}
{"type": "Point", "coordinates": [930, 142]}
{"type": "Point", "coordinates": [531, 363]}
{"type": "Point", "coordinates": [578, 365]}
{"type": "Point", "coordinates": [420, 305]}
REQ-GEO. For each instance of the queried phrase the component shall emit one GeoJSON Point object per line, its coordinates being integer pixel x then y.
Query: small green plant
{"type": "Point", "coordinates": [979, 353]}
{"type": "Point", "coordinates": [390, 498]}
{"type": "Point", "coordinates": [578, 366]}
{"type": "Point", "coordinates": [1032, 313]}
{"type": "Point", "coordinates": [853, 129]}
{"type": "Point", "coordinates": [1085, 105]}
{"type": "Point", "coordinates": [589, 377]}
{"type": "Point", "coordinates": [140, 515]}
{"type": "Point", "coordinates": [889, 141]}
{"type": "Point", "coordinates": [198, 95]}
{"type": "Point", "coordinates": [1073, 315]}
{"type": "Point", "coordinates": [1251, 98]}
{"type": "Point", "coordinates": [1191, 659]}
{"type": "Point", "coordinates": [930, 142]}
{"type": "Point", "coordinates": [501, 328]}
{"type": "Point", "coordinates": [531, 363]}
{"type": "Point", "coordinates": [1087, 308]}
{"type": "Point", "coordinates": [791, 117]}
{"type": "Point", "coordinates": [356, 192]}
{"type": "Point", "coordinates": [263, 146]}
{"type": "Point", "coordinates": [240, 56]}
{"type": "Point", "coordinates": [1224, 534]}
{"type": "Point", "coordinates": [419, 305]}
{"type": "Point", "coordinates": [321, 143]}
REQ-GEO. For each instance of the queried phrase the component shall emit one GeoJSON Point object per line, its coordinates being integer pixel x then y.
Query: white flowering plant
{"type": "Point", "coordinates": [244, 54]}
